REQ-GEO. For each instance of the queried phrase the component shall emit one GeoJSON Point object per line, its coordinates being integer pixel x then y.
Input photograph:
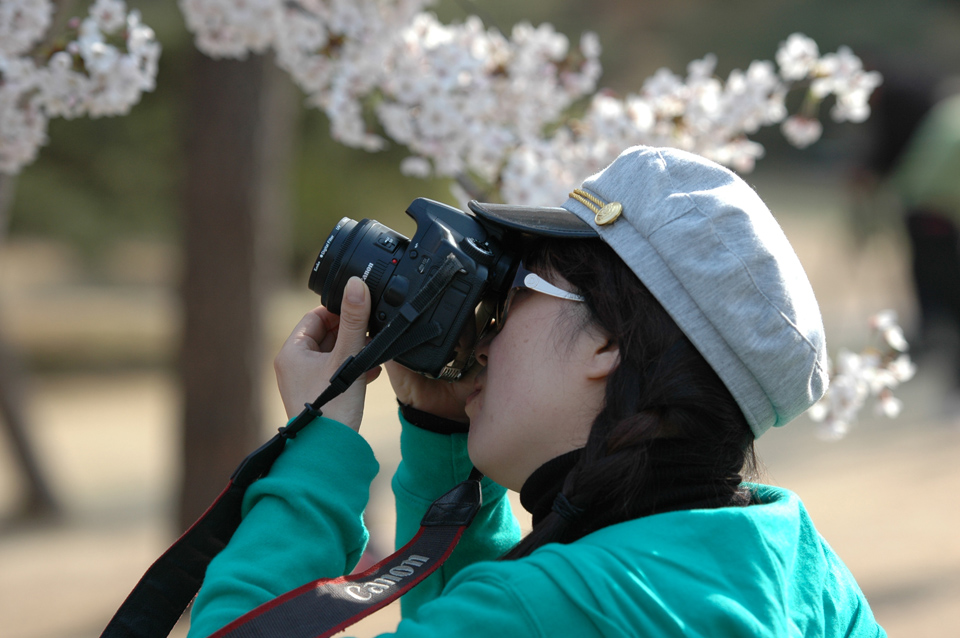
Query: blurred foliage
{"type": "Point", "coordinates": [334, 181]}
{"type": "Point", "coordinates": [103, 179]}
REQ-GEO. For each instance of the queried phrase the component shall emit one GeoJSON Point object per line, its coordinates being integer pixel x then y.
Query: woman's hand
{"type": "Point", "coordinates": [317, 347]}
{"type": "Point", "coordinates": [444, 399]}
{"type": "Point", "coordinates": [441, 398]}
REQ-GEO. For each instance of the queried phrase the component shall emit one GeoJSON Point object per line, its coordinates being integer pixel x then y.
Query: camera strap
{"type": "Point", "coordinates": [326, 606]}
{"type": "Point", "coordinates": [329, 605]}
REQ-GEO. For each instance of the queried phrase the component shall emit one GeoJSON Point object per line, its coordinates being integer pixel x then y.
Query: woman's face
{"type": "Point", "coordinates": [540, 388]}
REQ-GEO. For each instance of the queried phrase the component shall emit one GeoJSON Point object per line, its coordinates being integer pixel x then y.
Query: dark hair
{"type": "Point", "coordinates": [670, 435]}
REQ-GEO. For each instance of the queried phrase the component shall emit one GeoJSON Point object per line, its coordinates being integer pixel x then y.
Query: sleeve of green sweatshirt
{"type": "Point", "coordinates": [431, 465]}
{"type": "Point", "coordinates": [301, 522]}
{"type": "Point", "coordinates": [304, 520]}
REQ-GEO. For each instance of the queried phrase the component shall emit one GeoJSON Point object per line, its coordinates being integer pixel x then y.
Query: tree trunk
{"type": "Point", "coordinates": [38, 499]}
{"type": "Point", "coordinates": [239, 132]}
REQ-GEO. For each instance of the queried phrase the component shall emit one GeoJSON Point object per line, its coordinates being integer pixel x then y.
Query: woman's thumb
{"type": "Point", "coordinates": [354, 317]}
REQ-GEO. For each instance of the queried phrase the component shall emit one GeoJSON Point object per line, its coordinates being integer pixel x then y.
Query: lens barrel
{"type": "Point", "coordinates": [365, 249]}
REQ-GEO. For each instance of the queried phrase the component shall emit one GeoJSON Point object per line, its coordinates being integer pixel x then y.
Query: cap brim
{"type": "Point", "coordinates": [535, 220]}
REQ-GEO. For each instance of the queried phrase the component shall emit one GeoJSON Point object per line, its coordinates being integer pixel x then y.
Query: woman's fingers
{"type": "Point", "coordinates": [351, 338]}
{"type": "Point", "coordinates": [354, 317]}
{"type": "Point", "coordinates": [317, 330]}
{"type": "Point", "coordinates": [326, 345]}
{"type": "Point", "coordinates": [319, 344]}
{"type": "Point", "coordinates": [440, 398]}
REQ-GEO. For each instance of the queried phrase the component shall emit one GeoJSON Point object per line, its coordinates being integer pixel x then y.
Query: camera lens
{"type": "Point", "coordinates": [365, 249]}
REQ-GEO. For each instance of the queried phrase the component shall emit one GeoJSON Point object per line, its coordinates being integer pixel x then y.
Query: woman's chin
{"type": "Point", "coordinates": [472, 405]}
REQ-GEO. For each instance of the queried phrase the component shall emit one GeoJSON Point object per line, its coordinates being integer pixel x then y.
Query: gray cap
{"type": "Point", "coordinates": [710, 251]}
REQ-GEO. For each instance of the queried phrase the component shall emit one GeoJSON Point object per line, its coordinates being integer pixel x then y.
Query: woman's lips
{"type": "Point", "coordinates": [472, 395]}
{"type": "Point", "coordinates": [477, 386]}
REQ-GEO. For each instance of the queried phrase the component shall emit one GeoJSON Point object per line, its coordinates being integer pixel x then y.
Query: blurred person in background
{"type": "Point", "coordinates": [911, 171]}
{"type": "Point", "coordinates": [926, 179]}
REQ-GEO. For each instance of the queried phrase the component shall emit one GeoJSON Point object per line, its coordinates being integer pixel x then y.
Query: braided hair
{"type": "Point", "coordinates": [669, 435]}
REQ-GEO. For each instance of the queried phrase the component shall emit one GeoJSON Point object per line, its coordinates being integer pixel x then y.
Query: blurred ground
{"type": "Point", "coordinates": [885, 497]}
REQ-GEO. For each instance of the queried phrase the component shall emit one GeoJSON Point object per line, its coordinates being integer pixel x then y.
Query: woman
{"type": "Point", "coordinates": [665, 324]}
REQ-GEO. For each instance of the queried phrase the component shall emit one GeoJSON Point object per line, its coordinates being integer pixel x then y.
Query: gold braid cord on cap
{"type": "Point", "coordinates": [605, 213]}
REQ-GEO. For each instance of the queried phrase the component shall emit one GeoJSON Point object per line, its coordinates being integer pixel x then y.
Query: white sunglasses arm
{"type": "Point", "coordinates": [534, 282]}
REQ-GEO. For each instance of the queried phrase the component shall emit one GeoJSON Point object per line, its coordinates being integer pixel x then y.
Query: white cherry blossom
{"type": "Point", "coordinates": [231, 28]}
{"type": "Point", "coordinates": [855, 377]}
{"type": "Point", "coordinates": [23, 24]}
{"type": "Point", "coordinates": [464, 97]}
{"type": "Point", "coordinates": [842, 74]}
{"type": "Point", "coordinates": [885, 323]}
{"type": "Point", "coordinates": [23, 125]}
{"type": "Point", "coordinates": [110, 15]}
{"type": "Point", "coordinates": [797, 57]}
{"type": "Point", "coordinates": [801, 131]}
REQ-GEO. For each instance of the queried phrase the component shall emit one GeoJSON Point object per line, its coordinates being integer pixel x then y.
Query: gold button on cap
{"type": "Point", "coordinates": [609, 214]}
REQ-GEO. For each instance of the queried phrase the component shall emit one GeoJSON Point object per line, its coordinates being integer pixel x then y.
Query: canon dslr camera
{"type": "Point", "coordinates": [396, 268]}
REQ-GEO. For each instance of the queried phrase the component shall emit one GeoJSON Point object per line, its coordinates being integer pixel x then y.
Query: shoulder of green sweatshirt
{"type": "Point", "coordinates": [761, 570]}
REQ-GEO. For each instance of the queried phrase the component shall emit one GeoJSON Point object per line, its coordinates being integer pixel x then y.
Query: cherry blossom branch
{"type": "Point", "coordinates": [699, 113]}
{"type": "Point", "coordinates": [856, 377]}
{"type": "Point", "coordinates": [518, 115]}
{"type": "Point", "coordinates": [99, 66]}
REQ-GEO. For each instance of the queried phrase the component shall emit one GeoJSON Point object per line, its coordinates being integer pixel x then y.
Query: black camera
{"type": "Point", "coordinates": [396, 268]}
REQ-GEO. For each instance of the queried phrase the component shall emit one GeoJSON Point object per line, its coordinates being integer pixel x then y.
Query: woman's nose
{"type": "Point", "coordinates": [483, 347]}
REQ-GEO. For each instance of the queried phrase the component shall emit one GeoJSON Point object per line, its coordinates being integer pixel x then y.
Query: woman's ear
{"type": "Point", "coordinates": [604, 359]}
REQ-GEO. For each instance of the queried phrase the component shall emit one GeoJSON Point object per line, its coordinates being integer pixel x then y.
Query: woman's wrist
{"type": "Point", "coordinates": [431, 422]}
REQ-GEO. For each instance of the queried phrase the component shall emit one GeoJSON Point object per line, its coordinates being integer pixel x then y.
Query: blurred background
{"type": "Point", "coordinates": [150, 266]}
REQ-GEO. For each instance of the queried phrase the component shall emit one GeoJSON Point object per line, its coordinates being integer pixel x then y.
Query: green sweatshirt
{"type": "Point", "coordinates": [761, 570]}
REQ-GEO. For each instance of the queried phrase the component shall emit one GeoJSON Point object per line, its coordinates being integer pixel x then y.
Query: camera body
{"type": "Point", "coordinates": [396, 268]}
